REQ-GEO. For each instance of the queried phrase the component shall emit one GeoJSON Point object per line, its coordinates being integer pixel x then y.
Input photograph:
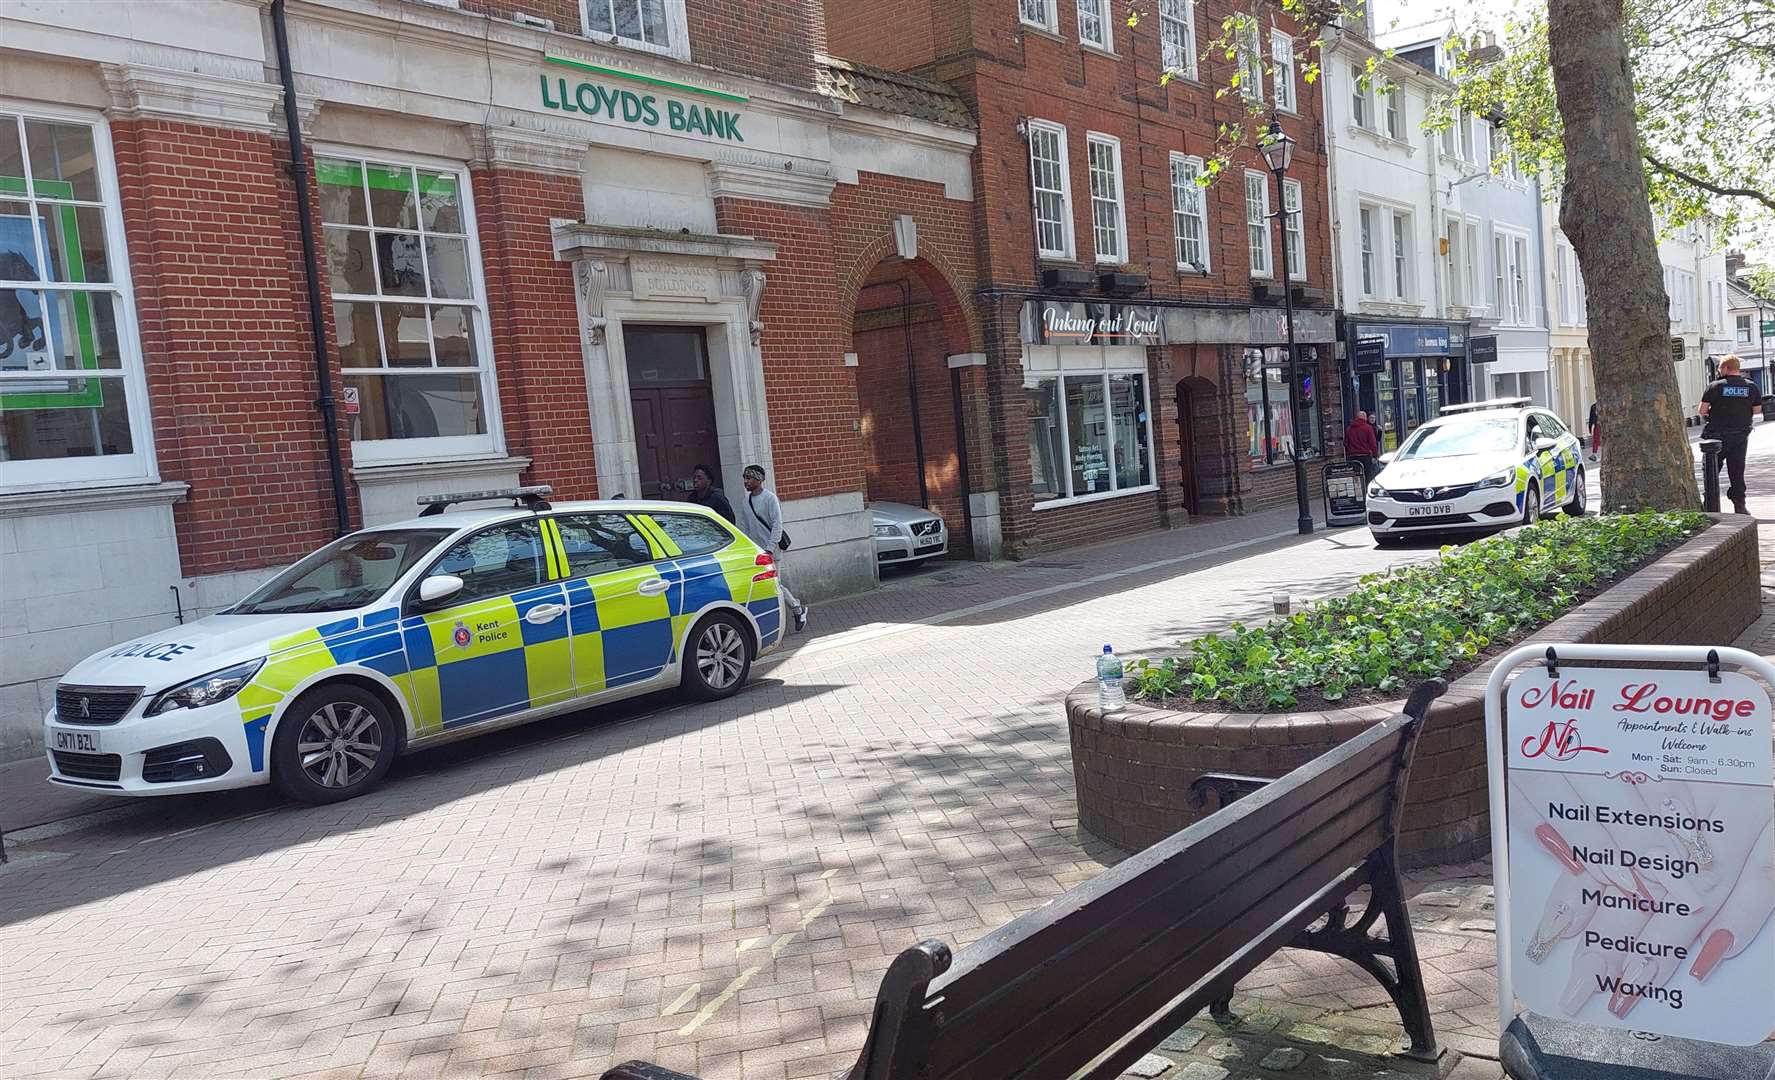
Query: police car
{"type": "Point", "coordinates": [1487, 465]}
{"type": "Point", "coordinates": [453, 623]}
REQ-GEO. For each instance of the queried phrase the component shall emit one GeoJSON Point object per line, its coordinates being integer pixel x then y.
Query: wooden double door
{"type": "Point", "coordinates": [673, 402]}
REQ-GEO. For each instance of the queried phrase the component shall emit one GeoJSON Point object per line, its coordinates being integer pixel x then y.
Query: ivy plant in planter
{"type": "Point", "coordinates": [1402, 627]}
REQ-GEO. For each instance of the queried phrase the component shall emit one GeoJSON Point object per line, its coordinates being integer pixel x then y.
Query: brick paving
{"type": "Point", "coordinates": [716, 887]}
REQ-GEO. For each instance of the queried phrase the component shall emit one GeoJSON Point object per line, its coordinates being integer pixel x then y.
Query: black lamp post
{"type": "Point", "coordinates": [1278, 151]}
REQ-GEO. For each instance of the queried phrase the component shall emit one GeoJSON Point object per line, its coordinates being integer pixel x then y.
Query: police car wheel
{"type": "Point", "coordinates": [1579, 500]}
{"type": "Point", "coordinates": [719, 658]}
{"type": "Point", "coordinates": [335, 742]}
{"type": "Point", "coordinates": [1531, 505]}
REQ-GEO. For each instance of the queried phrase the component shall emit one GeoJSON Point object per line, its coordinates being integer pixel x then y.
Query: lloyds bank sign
{"type": "Point", "coordinates": [677, 112]}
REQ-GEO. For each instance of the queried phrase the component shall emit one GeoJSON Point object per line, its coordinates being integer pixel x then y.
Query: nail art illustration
{"type": "Point", "coordinates": [1719, 943]}
{"type": "Point", "coordinates": [1557, 847]}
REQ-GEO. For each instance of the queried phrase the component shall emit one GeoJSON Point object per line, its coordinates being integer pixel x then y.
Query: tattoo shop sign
{"type": "Point", "coordinates": [1640, 852]}
{"type": "Point", "coordinates": [1056, 322]}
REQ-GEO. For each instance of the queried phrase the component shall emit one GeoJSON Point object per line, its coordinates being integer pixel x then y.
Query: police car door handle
{"type": "Point", "coordinates": [544, 613]}
{"type": "Point", "coordinates": [653, 587]}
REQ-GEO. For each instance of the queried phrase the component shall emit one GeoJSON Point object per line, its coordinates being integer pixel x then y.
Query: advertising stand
{"type": "Point", "coordinates": [1633, 848]}
{"type": "Point", "coordinates": [1346, 495]}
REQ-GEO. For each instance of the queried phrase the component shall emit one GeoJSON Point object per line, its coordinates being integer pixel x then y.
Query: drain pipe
{"type": "Point", "coordinates": [311, 271]}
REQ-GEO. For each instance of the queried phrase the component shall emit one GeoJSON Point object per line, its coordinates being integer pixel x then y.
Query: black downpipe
{"type": "Point", "coordinates": [311, 271]}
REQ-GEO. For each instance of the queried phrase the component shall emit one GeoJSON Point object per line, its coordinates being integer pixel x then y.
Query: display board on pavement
{"type": "Point", "coordinates": [1640, 861]}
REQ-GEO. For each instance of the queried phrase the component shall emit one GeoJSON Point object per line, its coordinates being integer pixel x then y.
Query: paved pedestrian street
{"type": "Point", "coordinates": [716, 887]}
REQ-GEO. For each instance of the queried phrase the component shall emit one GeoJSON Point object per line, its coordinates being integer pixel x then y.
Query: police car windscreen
{"type": "Point", "coordinates": [1462, 438]}
{"type": "Point", "coordinates": [350, 572]}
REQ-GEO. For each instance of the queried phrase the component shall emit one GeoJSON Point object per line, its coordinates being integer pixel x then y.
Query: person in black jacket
{"type": "Point", "coordinates": [704, 492]}
{"type": "Point", "coordinates": [1728, 408]}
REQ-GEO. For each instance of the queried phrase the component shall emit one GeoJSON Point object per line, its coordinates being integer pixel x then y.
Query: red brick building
{"type": "Point", "coordinates": [587, 243]}
{"type": "Point", "coordinates": [1131, 319]}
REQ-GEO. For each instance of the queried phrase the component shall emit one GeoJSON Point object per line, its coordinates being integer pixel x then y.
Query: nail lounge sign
{"type": "Point", "coordinates": [650, 102]}
{"type": "Point", "coordinates": [1641, 858]}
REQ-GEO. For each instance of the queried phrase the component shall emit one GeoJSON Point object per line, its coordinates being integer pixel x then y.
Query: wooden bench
{"type": "Point", "coordinates": [1093, 980]}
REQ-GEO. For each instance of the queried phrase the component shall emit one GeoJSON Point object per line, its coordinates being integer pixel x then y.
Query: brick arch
{"type": "Point", "coordinates": [939, 279]}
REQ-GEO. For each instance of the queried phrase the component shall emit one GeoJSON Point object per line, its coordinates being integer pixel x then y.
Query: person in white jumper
{"type": "Point", "coordinates": [760, 517]}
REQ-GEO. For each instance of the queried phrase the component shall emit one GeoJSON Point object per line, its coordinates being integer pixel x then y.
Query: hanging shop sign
{"type": "Point", "coordinates": [1369, 355]}
{"type": "Point", "coordinates": [1059, 322]}
{"type": "Point", "coordinates": [1638, 871]}
{"type": "Point", "coordinates": [653, 103]}
{"type": "Point", "coordinates": [1485, 349]}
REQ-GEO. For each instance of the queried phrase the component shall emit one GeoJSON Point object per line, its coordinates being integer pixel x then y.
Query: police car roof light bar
{"type": "Point", "coordinates": [533, 497]}
{"type": "Point", "coordinates": [1494, 403]}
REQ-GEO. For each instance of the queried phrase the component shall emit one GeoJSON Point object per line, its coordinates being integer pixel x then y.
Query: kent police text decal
{"type": "Point", "coordinates": [645, 110]}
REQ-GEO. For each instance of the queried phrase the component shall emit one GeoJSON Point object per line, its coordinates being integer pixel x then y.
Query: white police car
{"type": "Point", "coordinates": [1487, 465]}
{"type": "Point", "coordinates": [406, 635]}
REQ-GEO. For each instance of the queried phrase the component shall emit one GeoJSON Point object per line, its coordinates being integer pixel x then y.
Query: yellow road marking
{"type": "Point", "coordinates": [721, 999]}
{"type": "Point", "coordinates": [746, 944]}
{"type": "Point", "coordinates": [816, 912]}
{"type": "Point", "coordinates": [684, 999]}
{"type": "Point", "coordinates": [782, 943]}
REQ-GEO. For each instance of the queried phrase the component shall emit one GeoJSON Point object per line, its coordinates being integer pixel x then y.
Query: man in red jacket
{"type": "Point", "coordinates": [1362, 442]}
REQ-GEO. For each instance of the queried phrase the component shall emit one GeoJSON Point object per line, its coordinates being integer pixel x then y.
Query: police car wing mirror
{"type": "Point", "coordinates": [1544, 444]}
{"type": "Point", "coordinates": [1387, 458]}
{"type": "Point", "coordinates": [439, 587]}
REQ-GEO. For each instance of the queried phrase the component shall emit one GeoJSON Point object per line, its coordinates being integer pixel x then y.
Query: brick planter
{"type": "Point", "coordinates": [1134, 768]}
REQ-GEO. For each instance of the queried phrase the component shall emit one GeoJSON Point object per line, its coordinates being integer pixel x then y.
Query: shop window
{"type": "Point", "coordinates": [1257, 223]}
{"type": "Point", "coordinates": [652, 25]}
{"type": "Point", "coordinates": [1189, 213]}
{"type": "Point", "coordinates": [1104, 158]}
{"type": "Point", "coordinates": [1273, 430]}
{"type": "Point", "coordinates": [409, 311]}
{"type": "Point", "coordinates": [1282, 60]}
{"type": "Point", "coordinates": [1094, 23]}
{"type": "Point", "coordinates": [72, 399]}
{"type": "Point", "coordinates": [1177, 34]}
{"type": "Point", "coordinates": [1053, 190]}
{"type": "Point", "coordinates": [1090, 435]}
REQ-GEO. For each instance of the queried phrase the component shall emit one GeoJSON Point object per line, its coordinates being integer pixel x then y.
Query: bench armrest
{"type": "Point", "coordinates": [641, 1070]}
{"type": "Point", "coordinates": [1226, 787]}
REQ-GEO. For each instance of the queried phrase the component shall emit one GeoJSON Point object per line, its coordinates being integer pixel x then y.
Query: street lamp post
{"type": "Point", "coordinates": [1278, 152]}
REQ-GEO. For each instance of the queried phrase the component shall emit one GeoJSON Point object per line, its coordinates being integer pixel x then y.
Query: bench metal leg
{"type": "Point", "coordinates": [1221, 1010]}
{"type": "Point", "coordinates": [1403, 980]}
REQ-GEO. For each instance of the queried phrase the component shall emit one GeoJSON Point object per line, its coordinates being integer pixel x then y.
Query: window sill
{"type": "Point", "coordinates": [74, 498]}
{"type": "Point", "coordinates": [392, 471]}
{"type": "Point", "coordinates": [612, 41]}
{"type": "Point", "coordinates": [1101, 496]}
{"type": "Point", "coordinates": [1039, 30]}
{"type": "Point", "coordinates": [1099, 50]}
{"type": "Point", "coordinates": [1380, 137]}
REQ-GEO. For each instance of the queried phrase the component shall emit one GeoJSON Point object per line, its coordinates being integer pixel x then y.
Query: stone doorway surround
{"type": "Point", "coordinates": [625, 275]}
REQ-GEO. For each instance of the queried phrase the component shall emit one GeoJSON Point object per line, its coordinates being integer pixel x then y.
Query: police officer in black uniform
{"type": "Point", "coordinates": [1728, 408]}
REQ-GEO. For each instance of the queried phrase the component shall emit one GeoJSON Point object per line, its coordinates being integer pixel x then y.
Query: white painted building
{"type": "Point", "coordinates": [1750, 319]}
{"type": "Point", "coordinates": [1695, 281]}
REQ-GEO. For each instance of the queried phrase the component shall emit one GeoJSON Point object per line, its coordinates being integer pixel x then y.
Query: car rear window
{"type": "Point", "coordinates": [693, 533]}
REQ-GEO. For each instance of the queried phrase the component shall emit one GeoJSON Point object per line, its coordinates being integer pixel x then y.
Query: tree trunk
{"type": "Point", "coordinates": [1608, 218]}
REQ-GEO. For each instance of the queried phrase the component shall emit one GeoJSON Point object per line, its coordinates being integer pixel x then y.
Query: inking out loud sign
{"type": "Point", "coordinates": [1641, 876]}
{"type": "Point", "coordinates": [1057, 322]}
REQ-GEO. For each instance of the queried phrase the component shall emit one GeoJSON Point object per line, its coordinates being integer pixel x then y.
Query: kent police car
{"type": "Point", "coordinates": [400, 636]}
{"type": "Point", "coordinates": [1487, 465]}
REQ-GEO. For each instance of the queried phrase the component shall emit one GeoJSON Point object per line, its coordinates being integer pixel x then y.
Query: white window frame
{"type": "Point", "coordinates": [1368, 218]}
{"type": "Point", "coordinates": [1248, 45]}
{"type": "Point", "coordinates": [1448, 137]}
{"type": "Point", "coordinates": [1294, 231]}
{"type": "Point", "coordinates": [1562, 282]}
{"type": "Point", "coordinates": [1065, 192]}
{"type": "Point", "coordinates": [1184, 189]}
{"type": "Point", "coordinates": [677, 28]}
{"type": "Point", "coordinates": [1094, 141]}
{"type": "Point", "coordinates": [1514, 292]}
{"type": "Point", "coordinates": [1744, 324]}
{"type": "Point", "coordinates": [1050, 18]}
{"type": "Point", "coordinates": [1401, 247]}
{"type": "Point", "coordinates": [1466, 134]}
{"type": "Point", "coordinates": [1177, 19]}
{"type": "Point", "coordinates": [1500, 272]}
{"type": "Point", "coordinates": [1393, 110]}
{"type": "Point", "coordinates": [1361, 99]}
{"type": "Point", "coordinates": [370, 452]}
{"type": "Point", "coordinates": [1282, 60]}
{"type": "Point", "coordinates": [1261, 211]}
{"type": "Point", "coordinates": [1453, 236]}
{"type": "Point", "coordinates": [1100, 12]}
{"type": "Point", "coordinates": [140, 465]}
{"type": "Point", "coordinates": [1103, 364]}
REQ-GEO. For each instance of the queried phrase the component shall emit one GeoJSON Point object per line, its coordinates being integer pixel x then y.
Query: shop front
{"type": "Point", "coordinates": [1402, 374]}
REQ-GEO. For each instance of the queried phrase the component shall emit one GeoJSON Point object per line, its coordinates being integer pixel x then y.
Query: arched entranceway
{"type": "Point", "coordinates": [906, 326]}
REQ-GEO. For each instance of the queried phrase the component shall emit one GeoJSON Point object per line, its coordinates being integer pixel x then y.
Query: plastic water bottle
{"type": "Point", "coordinates": [1110, 695]}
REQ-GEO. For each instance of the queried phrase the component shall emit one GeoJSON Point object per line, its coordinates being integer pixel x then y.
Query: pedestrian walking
{"type": "Point", "coordinates": [1595, 426]}
{"type": "Point", "coordinates": [761, 518]}
{"type": "Point", "coordinates": [703, 492]}
{"type": "Point", "coordinates": [1362, 443]}
{"type": "Point", "coordinates": [1728, 408]}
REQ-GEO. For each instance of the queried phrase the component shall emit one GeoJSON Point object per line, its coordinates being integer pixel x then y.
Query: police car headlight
{"type": "Point", "coordinates": [887, 530]}
{"type": "Point", "coordinates": [1375, 491]}
{"type": "Point", "coordinates": [1503, 479]}
{"type": "Point", "coordinates": [207, 689]}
